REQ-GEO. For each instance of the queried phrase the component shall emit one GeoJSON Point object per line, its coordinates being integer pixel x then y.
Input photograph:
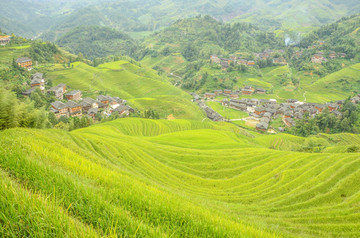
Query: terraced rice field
{"type": "Point", "coordinates": [142, 87]}
{"type": "Point", "coordinates": [135, 177]}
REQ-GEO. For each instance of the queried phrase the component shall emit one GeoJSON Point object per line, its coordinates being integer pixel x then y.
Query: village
{"type": "Point", "coordinates": [276, 57]}
{"type": "Point", "coordinates": [263, 111]}
{"type": "Point", "coordinates": [71, 104]}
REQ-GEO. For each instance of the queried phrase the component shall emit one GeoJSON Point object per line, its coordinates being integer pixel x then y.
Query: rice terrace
{"type": "Point", "coordinates": [179, 119]}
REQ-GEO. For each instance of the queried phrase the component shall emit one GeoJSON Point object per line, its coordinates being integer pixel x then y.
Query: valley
{"type": "Point", "coordinates": [179, 118]}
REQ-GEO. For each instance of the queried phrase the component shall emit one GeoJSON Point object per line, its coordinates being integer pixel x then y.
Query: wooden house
{"type": "Point", "coordinates": [74, 95]}
{"type": "Point", "coordinates": [38, 81]}
{"type": "Point", "coordinates": [251, 63]}
{"type": "Point", "coordinates": [104, 99]}
{"type": "Point", "coordinates": [24, 62]}
{"type": "Point", "coordinates": [218, 92]}
{"type": "Point", "coordinates": [4, 40]}
{"type": "Point", "coordinates": [75, 109]}
{"type": "Point", "coordinates": [227, 91]}
{"type": "Point", "coordinates": [59, 109]}
{"type": "Point", "coordinates": [210, 95]}
{"type": "Point", "coordinates": [262, 126]}
{"type": "Point", "coordinates": [260, 91]}
{"type": "Point", "coordinates": [58, 91]}
{"type": "Point", "coordinates": [247, 90]}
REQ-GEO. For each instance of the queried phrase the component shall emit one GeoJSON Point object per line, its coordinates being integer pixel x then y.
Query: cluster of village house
{"type": "Point", "coordinates": [264, 110]}
{"type": "Point", "coordinates": [75, 106]}
{"type": "Point", "coordinates": [267, 54]}
{"type": "Point", "coordinates": [317, 58]}
{"type": "Point", "coordinates": [247, 90]}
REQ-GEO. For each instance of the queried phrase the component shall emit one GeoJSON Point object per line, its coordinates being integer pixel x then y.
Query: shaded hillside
{"type": "Point", "coordinates": [202, 36]}
{"type": "Point", "coordinates": [95, 41]}
{"type": "Point", "coordinates": [343, 35]}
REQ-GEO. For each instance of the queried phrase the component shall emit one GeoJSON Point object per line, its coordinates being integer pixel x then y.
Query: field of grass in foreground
{"type": "Point", "coordinates": [145, 178]}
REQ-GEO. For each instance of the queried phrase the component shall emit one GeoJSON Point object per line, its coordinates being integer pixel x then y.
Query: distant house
{"type": "Point", "coordinates": [38, 81]}
{"type": "Point", "coordinates": [247, 90]}
{"type": "Point", "coordinates": [280, 61]}
{"type": "Point", "coordinates": [264, 101]}
{"type": "Point", "coordinates": [4, 40]}
{"type": "Point", "coordinates": [28, 92]}
{"type": "Point", "coordinates": [58, 91]}
{"type": "Point", "coordinates": [260, 91]}
{"type": "Point", "coordinates": [121, 110]}
{"type": "Point", "coordinates": [215, 59]}
{"type": "Point", "coordinates": [262, 126]}
{"type": "Point", "coordinates": [115, 102]}
{"type": "Point", "coordinates": [224, 64]}
{"type": "Point", "coordinates": [89, 103]}
{"type": "Point", "coordinates": [292, 100]}
{"type": "Point", "coordinates": [242, 61]}
{"type": "Point", "coordinates": [289, 122]}
{"type": "Point", "coordinates": [332, 55]}
{"type": "Point", "coordinates": [272, 101]}
{"type": "Point", "coordinates": [318, 58]}
{"type": "Point", "coordinates": [210, 95]}
{"type": "Point", "coordinates": [92, 112]}
{"type": "Point", "coordinates": [260, 110]}
{"type": "Point", "coordinates": [251, 63]}
{"type": "Point", "coordinates": [218, 92]}
{"type": "Point", "coordinates": [320, 107]}
{"type": "Point", "coordinates": [238, 106]}
{"type": "Point", "coordinates": [104, 99]}
{"type": "Point", "coordinates": [227, 91]}
{"type": "Point", "coordinates": [24, 62]}
{"type": "Point", "coordinates": [342, 55]}
{"type": "Point", "coordinates": [74, 95]}
{"type": "Point", "coordinates": [332, 106]}
{"type": "Point", "coordinates": [75, 109]}
{"type": "Point", "coordinates": [355, 100]}
{"type": "Point", "coordinates": [60, 109]}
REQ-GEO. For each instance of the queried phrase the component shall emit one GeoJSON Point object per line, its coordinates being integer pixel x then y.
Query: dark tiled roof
{"type": "Point", "coordinates": [23, 60]}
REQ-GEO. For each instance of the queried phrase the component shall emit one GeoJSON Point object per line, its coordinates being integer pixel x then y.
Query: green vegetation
{"type": "Point", "coordinates": [226, 112]}
{"type": "Point", "coordinates": [54, 18]}
{"type": "Point", "coordinates": [142, 87]}
{"type": "Point", "coordinates": [328, 123]}
{"type": "Point", "coordinates": [95, 41]}
{"type": "Point", "coordinates": [178, 178]}
{"type": "Point", "coordinates": [16, 114]}
{"type": "Point", "coordinates": [199, 37]}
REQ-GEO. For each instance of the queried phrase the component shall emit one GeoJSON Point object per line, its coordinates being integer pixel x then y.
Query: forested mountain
{"type": "Point", "coordinates": [343, 35]}
{"type": "Point", "coordinates": [200, 37]}
{"type": "Point", "coordinates": [54, 18]}
{"type": "Point", "coordinates": [96, 41]}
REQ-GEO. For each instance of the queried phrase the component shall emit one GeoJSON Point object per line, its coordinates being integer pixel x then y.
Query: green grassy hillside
{"type": "Point", "coordinates": [142, 87]}
{"type": "Point", "coordinates": [136, 177]}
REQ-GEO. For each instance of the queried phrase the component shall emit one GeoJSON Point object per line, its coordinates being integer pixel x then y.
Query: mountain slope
{"type": "Point", "coordinates": [95, 41]}
{"type": "Point", "coordinates": [58, 17]}
{"type": "Point", "coordinates": [142, 87]}
{"type": "Point", "coordinates": [162, 178]}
